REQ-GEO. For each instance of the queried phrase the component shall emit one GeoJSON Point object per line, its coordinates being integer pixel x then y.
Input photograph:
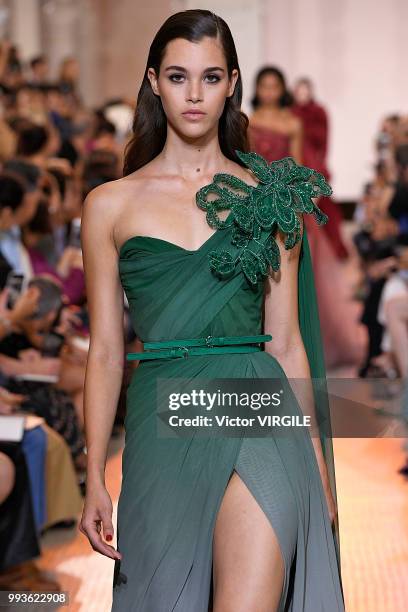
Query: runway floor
{"type": "Point", "coordinates": [373, 515]}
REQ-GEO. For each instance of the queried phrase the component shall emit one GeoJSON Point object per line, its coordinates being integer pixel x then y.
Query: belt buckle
{"type": "Point", "coordinates": [209, 341]}
{"type": "Point", "coordinates": [185, 351]}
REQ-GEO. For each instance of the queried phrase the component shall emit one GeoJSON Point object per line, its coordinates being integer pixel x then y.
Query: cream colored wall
{"type": "Point", "coordinates": [25, 29]}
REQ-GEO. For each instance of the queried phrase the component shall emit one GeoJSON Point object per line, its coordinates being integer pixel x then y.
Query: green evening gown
{"type": "Point", "coordinates": [172, 488]}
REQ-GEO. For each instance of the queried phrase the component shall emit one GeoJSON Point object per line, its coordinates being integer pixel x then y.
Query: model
{"type": "Point", "coordinates": [204, 523]}
{"type": "Point", "coordinates": [276, 131]}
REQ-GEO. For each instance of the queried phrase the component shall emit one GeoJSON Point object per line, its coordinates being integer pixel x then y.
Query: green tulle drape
{"type": "Point", "coordinates": [311, 334]}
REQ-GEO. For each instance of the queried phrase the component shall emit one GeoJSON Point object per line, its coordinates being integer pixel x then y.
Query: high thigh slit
{"type": "Point", "coordinates": [239, 468]}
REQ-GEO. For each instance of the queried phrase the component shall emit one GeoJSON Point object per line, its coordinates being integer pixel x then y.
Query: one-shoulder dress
{"type": "Point", "coordinates": [172, 488]}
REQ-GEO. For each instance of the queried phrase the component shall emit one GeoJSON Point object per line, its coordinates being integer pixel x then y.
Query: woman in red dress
{"type": "Point", "coordinates": [315, 138]}
{"type": "Point", "coordinates": [276, 132]}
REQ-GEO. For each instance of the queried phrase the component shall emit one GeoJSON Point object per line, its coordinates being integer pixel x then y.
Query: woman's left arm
{"type": "Point", "coordinates": [281, 320]}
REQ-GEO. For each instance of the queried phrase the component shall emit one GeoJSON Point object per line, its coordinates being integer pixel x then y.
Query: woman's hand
{"type": "Point", "coordinates": [29, 355]}
{"type": "Point", "coordinates": [70, 354]}
{"type": "Point", "coordinates": [10, 401]}
{"type": "Point", "coordinates": [70, 258]}
{"type": "Point", "coordinates": [25, 305]}
{"type": "Point", "coordinates": [32, 362]}
{"type": "Point", "coordinates": [59, 163]}
{"type": "Point", "coordinates": [382, 267]}
{"type": "Point", "coordinates": [96, 521]}
{"type": "Point", "coordinates": [68, 320]}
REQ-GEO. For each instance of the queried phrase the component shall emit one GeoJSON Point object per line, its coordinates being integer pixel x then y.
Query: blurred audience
{"type": "Point", "coordinates": [381, 241]}
{"type": "Point", "coordinates": [53, 151]}
{"type": "Point", "coordinates": [382, 244]}
{"type": "Point", "coordinates": [39, 70]}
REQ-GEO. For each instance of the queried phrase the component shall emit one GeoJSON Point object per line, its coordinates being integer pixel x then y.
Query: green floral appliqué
{"type": "Point", "coordinates": [284, 189]}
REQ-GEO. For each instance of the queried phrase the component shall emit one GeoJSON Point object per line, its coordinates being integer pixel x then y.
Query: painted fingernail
{"type": "Point", "coordinates": [109, 537]}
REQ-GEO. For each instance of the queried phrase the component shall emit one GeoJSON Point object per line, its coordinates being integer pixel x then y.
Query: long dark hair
{"type": "Point", "coordinates": [150, 122]}
{"type": "Point", "coordinates": [286, 98]}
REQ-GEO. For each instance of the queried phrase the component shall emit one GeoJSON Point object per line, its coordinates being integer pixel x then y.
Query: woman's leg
{"type": "Point", "coordinates": [248, 567]}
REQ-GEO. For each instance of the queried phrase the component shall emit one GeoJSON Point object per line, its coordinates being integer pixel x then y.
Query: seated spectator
{"type": "Point", "coordinates": [30, 345]}
{"type": "Point", "coordinates": [37, 143]}
{"type": "Point", "coordinates": [69, 268]}
{"type": "Point", "coordinates": [72, 123]}
{"type": "Point", "coordinates": [29, 104]}
{"type": "Point", "coordinates": [393, 314]}
{"type": "Point", "coordinates": [120, 112]}
{"type": "Point", "coordinates": [383, 214]}
{"type": "Point", "coordinates": [395, 338]}
{"type": "Point", "coordinates": [19, 544]}
{"type": "Point", "coordinates": [106, 139]}
{"type": "Point", "coordinates": [11, 67]}
{"type": "Point", "coordinates": [99, 167]}
{"type": "Point", "coordinates": [16, 209]}
{"type": "Point", "coordinates": [69, 76]}
{"type": "Point", "coordinates": [398, 206]}
{"type": "Point", "coordinates": [39, 70]}
{"type": "Point", "coordinates": [49, 464]}
{"type": "Point", "coordinates": [64, 220]}
{"type": "Point", "coordinates": [8, 141]}
{"type": "Point", "coordinates": [376, 246]}
{"type": "Point", "coordinates": [22, 504]}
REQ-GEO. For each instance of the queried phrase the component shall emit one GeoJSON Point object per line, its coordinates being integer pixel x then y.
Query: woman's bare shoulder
{"type": "Point", "coordinates": [113, 193]}
{"type": "Point", "coordinates": [107, 204]}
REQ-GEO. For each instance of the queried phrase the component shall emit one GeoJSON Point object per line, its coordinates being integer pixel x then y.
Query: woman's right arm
{"type": "Point", "coordinates": [104, 369]}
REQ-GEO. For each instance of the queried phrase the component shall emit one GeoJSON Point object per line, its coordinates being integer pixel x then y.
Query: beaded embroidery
{"type": "Point", "coordinates": [284, 189]}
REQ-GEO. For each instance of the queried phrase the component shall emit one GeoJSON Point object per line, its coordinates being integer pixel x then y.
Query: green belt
{"type": "Point", "coordinates": [200, 346]}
